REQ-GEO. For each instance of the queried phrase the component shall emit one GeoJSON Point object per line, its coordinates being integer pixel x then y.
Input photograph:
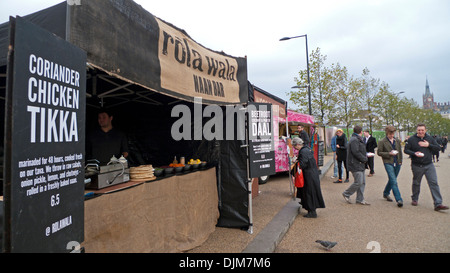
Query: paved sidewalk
{"type": "Point", "coordinates": [382, 225]}
{"type": "Point", "coordinates": [357, 229]}
{"type": "Point", "coordinates": [272, 215]}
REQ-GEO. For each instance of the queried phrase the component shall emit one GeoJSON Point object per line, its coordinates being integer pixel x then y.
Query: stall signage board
{"type": "Point", "coordinates": [46, 187]}
{"type": "Point", "coordinates": [260, 137]}
{"type": "Point", "coordinates": [148, 51]}
{"type": "Point", "coordinates": [193, 70]}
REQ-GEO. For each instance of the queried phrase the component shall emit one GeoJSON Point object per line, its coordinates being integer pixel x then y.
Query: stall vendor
{"type": "Point", "coordinates": [106, 141]}
{"type": "Point", "coordinates": [303, 135]}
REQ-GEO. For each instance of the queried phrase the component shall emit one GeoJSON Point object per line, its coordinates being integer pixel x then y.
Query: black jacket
{"type": "Point", "coordinates": [413, 146]}
{"type": "Point", "coordinates": [341, 152]}
{"type": "Point", "coordinates": [371, 144]}
{"type": "Point", "coordinates": [304, 136]}
{"type": "Point", "coordinates": [356, 154]}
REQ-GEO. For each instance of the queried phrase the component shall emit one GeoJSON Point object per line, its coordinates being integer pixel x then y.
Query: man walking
{"type": "Point", "coordinates": [390, 151]}
{"type": "Point", "coordinates": [371, 144]}
{"type": "Point", "coordinates": [421, 147]}
{"type": "Point", "coordinates": [356, 163]}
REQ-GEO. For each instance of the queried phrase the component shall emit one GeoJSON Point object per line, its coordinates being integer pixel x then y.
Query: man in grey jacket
{"type": "Point", "coordinates": [356, 163]}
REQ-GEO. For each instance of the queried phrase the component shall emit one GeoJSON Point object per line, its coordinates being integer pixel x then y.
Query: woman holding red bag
{"type": "Point", "coordinates": [310, 194]}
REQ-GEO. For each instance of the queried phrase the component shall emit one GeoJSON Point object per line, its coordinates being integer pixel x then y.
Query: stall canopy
{"type": "Point", "coordinates": [300, 118]}
{"type": "Point", "coordinates": [141, 67]}
{"type": "Point", "coordinates": [126, 41]}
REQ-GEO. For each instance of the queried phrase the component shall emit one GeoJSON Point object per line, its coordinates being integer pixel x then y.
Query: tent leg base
{"type": "Point", "coordinates": [250, 230]}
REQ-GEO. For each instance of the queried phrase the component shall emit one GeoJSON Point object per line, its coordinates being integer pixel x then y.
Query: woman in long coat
{"type": "Point", "coordinates": [310, 194]}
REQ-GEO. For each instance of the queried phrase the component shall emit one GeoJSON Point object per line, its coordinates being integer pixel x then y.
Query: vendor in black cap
{"type": "Point", "coordinates": [106, 141]}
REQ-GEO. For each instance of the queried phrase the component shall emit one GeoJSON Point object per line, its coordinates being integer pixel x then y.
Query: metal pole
{"type": "Point", "coordinates": [309, 81]}
{"type": "Point", "coordinates": [307, 67]}
{"type": "Point", "coordinates": [249, 179]}
{"type": "Point", "coordinates": [291, 183]}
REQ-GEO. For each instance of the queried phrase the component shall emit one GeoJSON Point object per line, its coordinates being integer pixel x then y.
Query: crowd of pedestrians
{"type": "Point", "coordinates": [357, 154]}
{"type": "Point", "coordinates": [422, 149]}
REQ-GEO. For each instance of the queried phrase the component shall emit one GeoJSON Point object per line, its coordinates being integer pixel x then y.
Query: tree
{"type": "Point", "coordinates": [321, 93]}
{"type": "Point", "coordinates": [346, 96]}
{"type": "Point", "coordinates": [407, 112]}
{"type": "Point", "coordinates": [382, 107]}
{"type": "Point", "coordinates": [338, 98]}
{"type": "Point", "coordinates": [369, 90]}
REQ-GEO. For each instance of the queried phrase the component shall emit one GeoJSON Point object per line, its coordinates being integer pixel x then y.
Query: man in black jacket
{"type": "Point", "coordinates": [421, 147]}
{"type": "Point", "coordinates": [303, 135]}
{"type": "Point", "coordinates": [371, 144]}
{"type": "Point", "coordinates": [356, 163]}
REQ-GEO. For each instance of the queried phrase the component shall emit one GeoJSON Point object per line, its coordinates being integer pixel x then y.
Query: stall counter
{"type": "Point", "coordinates": [171, 215]}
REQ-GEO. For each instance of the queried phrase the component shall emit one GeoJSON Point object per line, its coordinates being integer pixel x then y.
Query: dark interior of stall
{"type": "Point", "coordinates": [145, 117]}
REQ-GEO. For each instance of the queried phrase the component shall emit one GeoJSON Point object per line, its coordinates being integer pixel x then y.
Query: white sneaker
{"type": "Point", "coordinates": [363, 203]}
{"type": "Point", "coordinates": [333, 176]}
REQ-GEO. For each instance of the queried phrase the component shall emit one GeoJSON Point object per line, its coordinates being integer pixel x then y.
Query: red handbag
{"type": "Point", "coordinates": [298, 178]}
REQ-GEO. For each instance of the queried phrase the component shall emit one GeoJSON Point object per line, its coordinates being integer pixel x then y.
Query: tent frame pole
{"type": "Point", "coordinates": [249, 179]}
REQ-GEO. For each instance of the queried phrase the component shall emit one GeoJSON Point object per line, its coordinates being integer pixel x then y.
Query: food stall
{"type": "Point", "coordinates": [280, 113]}
{"type": "Point", "coordinates": [279, 118]}
{"type": "Point", "coordinates": [315, 134]}
{"type": "Point", "coordinates": [142, 68]}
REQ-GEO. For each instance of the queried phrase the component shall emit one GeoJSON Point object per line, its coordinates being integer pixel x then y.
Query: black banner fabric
{"type": "Point", "coordinates": [261, 144]}
{"type": "Point", "coordinates": [46, 189]}
{"type": "Point", "coordinates": [127, 41]}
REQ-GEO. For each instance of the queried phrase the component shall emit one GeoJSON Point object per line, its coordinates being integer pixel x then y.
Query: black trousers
{"type": "Point", "coordinates": [340, 169]}
{"type": "Point", "coordinates": [370, 163]}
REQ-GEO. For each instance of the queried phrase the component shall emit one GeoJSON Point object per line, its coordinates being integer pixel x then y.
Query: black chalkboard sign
{"type": "Point", "coordinates": [260, 135]}
{"type": "Point", "coordinates": [45, 135]}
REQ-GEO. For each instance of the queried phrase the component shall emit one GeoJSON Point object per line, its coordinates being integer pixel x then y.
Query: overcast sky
{"type": "Point", "coordinates": [401, 42]}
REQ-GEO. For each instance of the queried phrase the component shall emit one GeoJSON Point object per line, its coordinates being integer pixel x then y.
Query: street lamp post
{"type": "Point", "coordinates": [307, 67]}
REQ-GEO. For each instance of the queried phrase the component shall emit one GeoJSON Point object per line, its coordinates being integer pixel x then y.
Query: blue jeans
{"type": "Point", "coordinates": [335, 173]}
{"type": "Point", "coordinates": [392, 172]}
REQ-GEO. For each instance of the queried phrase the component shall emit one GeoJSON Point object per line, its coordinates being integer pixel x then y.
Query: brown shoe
{"type": "Point", "coordinates": [414, 203]}
{"type": "Point", "coordinates": [370, 175]}
{"type": "Point", "coordinates": [440, 207]}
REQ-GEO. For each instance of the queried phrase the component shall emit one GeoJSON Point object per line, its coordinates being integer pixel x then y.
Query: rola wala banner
{"type": "Point", "coordinates": [260, 137]}
{"type": "Point", "coordinates": [44, 195]}
{"type": "Point", "coordinates": [194, 70]}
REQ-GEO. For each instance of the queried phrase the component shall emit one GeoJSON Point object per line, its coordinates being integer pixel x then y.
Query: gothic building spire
{"type": "Point", "coordinates": [427, 88]}
{"type": "Point", "coordinates": [428, 98]}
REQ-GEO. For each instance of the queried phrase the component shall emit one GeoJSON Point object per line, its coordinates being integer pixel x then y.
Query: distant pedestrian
{"type": "Point", "coordinates": [444, 143]}
{"type": "Point", "coordinates": [310, 194]}
{"type": "Point", "coordinates": [341, 154]}
{"type": "Point", "coordinates": [333, 148]}
{"type": "Point", "coordinates": [390, 150]}
{"type": "Point", "coordinates": [371, 144]}
{"type": "Point", "coordinates": [356, 162]}
{"type": "Point", "coordinates": [421, 147]}
{"type": "Point", "coordinates": [436, 153]}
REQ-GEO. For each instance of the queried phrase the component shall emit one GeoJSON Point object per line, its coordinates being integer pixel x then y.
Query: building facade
{"type": "Point", "coordinates": [429, 103]}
